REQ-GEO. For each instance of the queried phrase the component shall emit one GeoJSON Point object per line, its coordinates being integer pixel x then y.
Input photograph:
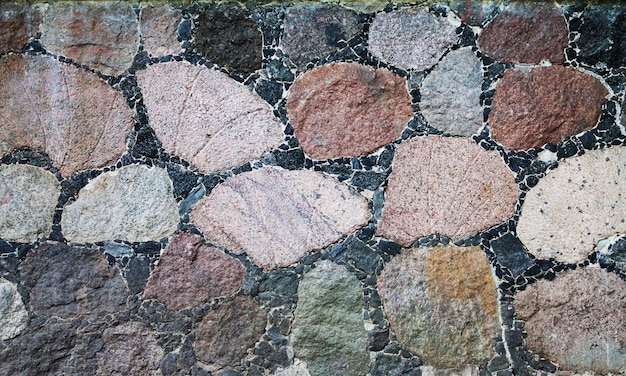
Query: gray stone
{"type": "Point", "coordinates": [159, 24]}
{"type": "Point", "coordinates": [134, 203]}
{"type": "Point", "coordinates": [13, 315]}
{"type": "Point", "coordinates": [450, 94]}
{"type": "Point", "coordinates": [331, 341]}
{"type": "Point", "coordinates": [28, 196]}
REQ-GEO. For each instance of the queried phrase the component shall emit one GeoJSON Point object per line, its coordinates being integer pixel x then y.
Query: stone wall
{"type": "Point", "coordinates": [312, 188]}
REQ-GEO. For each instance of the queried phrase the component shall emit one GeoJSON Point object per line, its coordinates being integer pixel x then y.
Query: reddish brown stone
{"type": "Point", "coordinates": [159, 24]}
{"type": "Point", "coordinates": [545, 105]}
{"type": "Point", "coordinates": [347, 109]}
{"type": "Point", "coordinates": [71, 115]}
{"type": "Point", "coordinates": [191, 273]}
{"type": "Point", "coordinates": [526, 33]}
{"type": "Point", "coordinates": [18, 23]}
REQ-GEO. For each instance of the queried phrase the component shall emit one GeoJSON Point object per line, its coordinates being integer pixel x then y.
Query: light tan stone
{"type": "Point", "coordinates": [13, 314]}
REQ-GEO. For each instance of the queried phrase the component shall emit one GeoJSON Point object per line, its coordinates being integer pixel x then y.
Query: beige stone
{"type": "Point", "coordinates": [13, 314]}
{"type": "Point", "coordinates": [159, 24]}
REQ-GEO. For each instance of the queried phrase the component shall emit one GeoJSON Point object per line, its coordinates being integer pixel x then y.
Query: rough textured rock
{"type": "Point", "coordinates": [313, 31]}
{"type": "Point", "coordinates": [410, 38]}
{"type": "Point", "coordinates": [276, 216]}
{"type": "Point", "coordinates": [474, 12]}
{"type": "Point", "coordinates": [206, 117]}
{"type": "Point", "coordinates": [19, 23]}
{"type": "Point", "coordinates": [575, 206]}
{"type": "Point", "coordinates": [191, 273]}
{"type": "Point", "coordinates": [577, 319]}
{"type": "Point", "coordinates": [28, 196]}
{"type": "Point", "coordinates": [102, 35]}
{"type": "Point", "coordinates": [331, 342]}
{"type": "Point", "coordinates": [445, 185]}
{"type": "Point", "coordinates": [68, 282]}
{"type": "Point", "coordinates": [450, 94]}
{"type": "Point", "coordinates": [71, 115]}
{"type": "Point", "coordinates": [347, 109]}
{"type": "Point", "coordinates": [526, 33]}
{"type": "Point", "coordinates": [442, 304]}
{"type": "Point", "coordinates": [134, 203]}
{"type": "Point", "coordinates": [623, 117]}
{"type": "Point", "coordinates": [227, 332]}
{"type": "Point", "coordinates": [159, 24]}
{"type": "Point", "coordinates": [602, 40]}
{"type": "Point", "coordinates": [226, 36]}
{"type": "Point", "coordinates": [545, 105]}
{"type": "Point", "coordinates": [129, 349]}
{"type": "Point", "coordinates": [13, 315]}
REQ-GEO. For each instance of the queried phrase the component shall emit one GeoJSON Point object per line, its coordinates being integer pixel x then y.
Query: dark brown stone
{"type": "Point", "coordinates": [545, 105]}
{"type": "Point", "coordinates": [18, 23]}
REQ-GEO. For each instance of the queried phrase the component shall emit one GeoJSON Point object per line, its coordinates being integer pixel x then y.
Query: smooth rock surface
{"type": "Point", "coordinates": [313, 31]}
{"type": "Point", "coordinates": [19, 23]}
{"type": "Point", "coordinates": [191, 273]}
{"type": "Point", "coordinates": [277, 216]}
{"type": "Point", "coordinates": [71, 115]}
{"type": "Point", "coordinates": [448, 186]}
{"type": "Point", "coordinates": [450, 94]}
{"type": "Point", "coordinates": [347, 109]}
{"type": "Point", "coordinates": [331, 341]}
{"type": "Point", "coordinates": [159, 24]}
{"type": "Point", "coordinates": [545, 105]}
{"type": "Point", "coordinates": [442, 304]}
{"type": "Point", "coordinates": [102, 35]}
{"type": "Point", "coordinates": [28, 197]}
{"type": "Point", "coordinates": [577, 320]}
{"type": "Point", "coordinates": [207, 118]}
{"type": "Point", "coordinates": [410, 38]}
{"type": "Point", "coordinates": [526, 33]}
{"type": "Point", "coordinates": [576, 205]}
{"type": "Point", "coordinates": [13, 315]}
{"type": "Point", "coordinates": [227, 332]}
{"type": "Point", "coordinates": [134, 203]}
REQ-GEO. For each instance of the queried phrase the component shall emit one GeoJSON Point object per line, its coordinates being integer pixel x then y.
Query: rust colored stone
{"type": "Point", "coordinates": [545, 105]}
{"type": "Point", "coordinates": [347, 109]}
{"type": "Point", "coordinates": [19, 23]}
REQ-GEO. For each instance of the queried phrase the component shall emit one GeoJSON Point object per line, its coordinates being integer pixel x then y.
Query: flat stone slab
{"type": "Point", "coordinates": [66, 112]}
{"type": "Point", "coordinates": [441, 303]}
{"type": "Point", "coordinates": [448, 186]}
{"type": "Point", "coordinates": [19, 23]}
{"type": "Point", "coordinates": [134, 203]}
{"type": "Point", "coordinates": [276, 216]}
{"type": "Point", "coordinates": [206, 117]}
{"type": "Point", "coordinates": [347, 109]}
{"type": "Point", "coordinates": [28, 198]}
{"type": "Point", "coordinates": [575, 206]}
{"type": "Point", "coordinates": [577, 320]}
{"type": "Point", "coordinates": [13, 314]}
{"type": "Point", "coordinates": [159, 24]}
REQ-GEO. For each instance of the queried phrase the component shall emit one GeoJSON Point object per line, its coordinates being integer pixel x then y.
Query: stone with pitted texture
{"type": "Point", "coordinates": [19, 23]}
{"type": "Point", "coordinates": [575, 206]}
{"type": "Point", "coordinates": [13, 315]}
{"type": "Point", "coordinates": [206, 117]}
{"type": "Point", "coordinates": [158, 29]}
{"type": "Point", "coordinates": [347, 109]}
{"type": "Point", "coordinates": [448, 186]}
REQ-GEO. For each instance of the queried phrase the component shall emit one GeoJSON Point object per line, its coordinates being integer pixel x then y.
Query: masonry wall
{"type": "Point", "coordinates": [312, 188]}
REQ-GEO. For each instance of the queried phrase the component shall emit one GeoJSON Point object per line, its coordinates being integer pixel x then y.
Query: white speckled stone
{"type": "Point", "coordinates": [13, 315]}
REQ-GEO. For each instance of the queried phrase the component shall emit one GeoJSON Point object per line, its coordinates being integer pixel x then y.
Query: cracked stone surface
{"type": "Point", "coordinates": [19, 23]}
{"type": "Point", "coordinates": [159, 25]}
{"type": "Point", "coordinates": [13, 315]}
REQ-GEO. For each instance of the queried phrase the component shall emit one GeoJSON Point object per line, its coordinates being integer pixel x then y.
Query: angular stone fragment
{"type": "Point", "coordinates": [331, 341]}
{"type": "Point", "coordinates": [19, 23]}
{"type": "Point", "coordinates": [28, 196]}
{"type": "Point", "coordinates": [474, 12]}
{"type": "Point", "coordinates": [526, 33]}
{"type": "Point", "coordinates": [545, 105]}
{"type": "Point", "coordinates": [575, 206]}
{"type": "Point", "coordinates": [13, 315]}
{"type": "Point", "coordinates": [313, 31]}
{"type": "Point", "coordinates": [410, 38]}
{"type": "Point", "coordinates": [448, 186]}
{"type": "Point", "coordinates": [206, 117]}
{"type": "Point", "coordinates": [347, 109]}
{"type": "Point", "coordinates": [442, 304]}
{"type": "Point", "coordinates": [602, 40]}
{"type": "Point", "coordinates": [134, 203]}
{"type": "Point", "coordinates": [577, 320]}
{"type": "Point", "coordinates": [191, 273]}
{"type": "Point", "coordinates": [71, 115]}
{"type": "Point", "coordinates": [68, 282]}
{"type": "Point", "coordinates": [159, 24]}
{"type": "Point", "coordinates": [277, 216]}
{"type": "Point", "coordinates": [450, 94]}
{"type": "Point", "coordinates": [102, 35]}
{"type": "Point", "coordinates": [227, 332]}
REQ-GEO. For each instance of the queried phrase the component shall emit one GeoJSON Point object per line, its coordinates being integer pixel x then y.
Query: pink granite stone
{"type": "Point", "coordinates": [71, 115]}
{"type": "Point", "coordinates": [159, 24]}
{"type": "Point", "coordinates": [277, 216]}
{"type": "Point", "coordinates": [445, 185]}
{"type": "Point", "coordinates": [19, 23]}
{"type": "Point", "coordinates": [347, 109]}
{"type": "Point", "coordinates": [206, 117]}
